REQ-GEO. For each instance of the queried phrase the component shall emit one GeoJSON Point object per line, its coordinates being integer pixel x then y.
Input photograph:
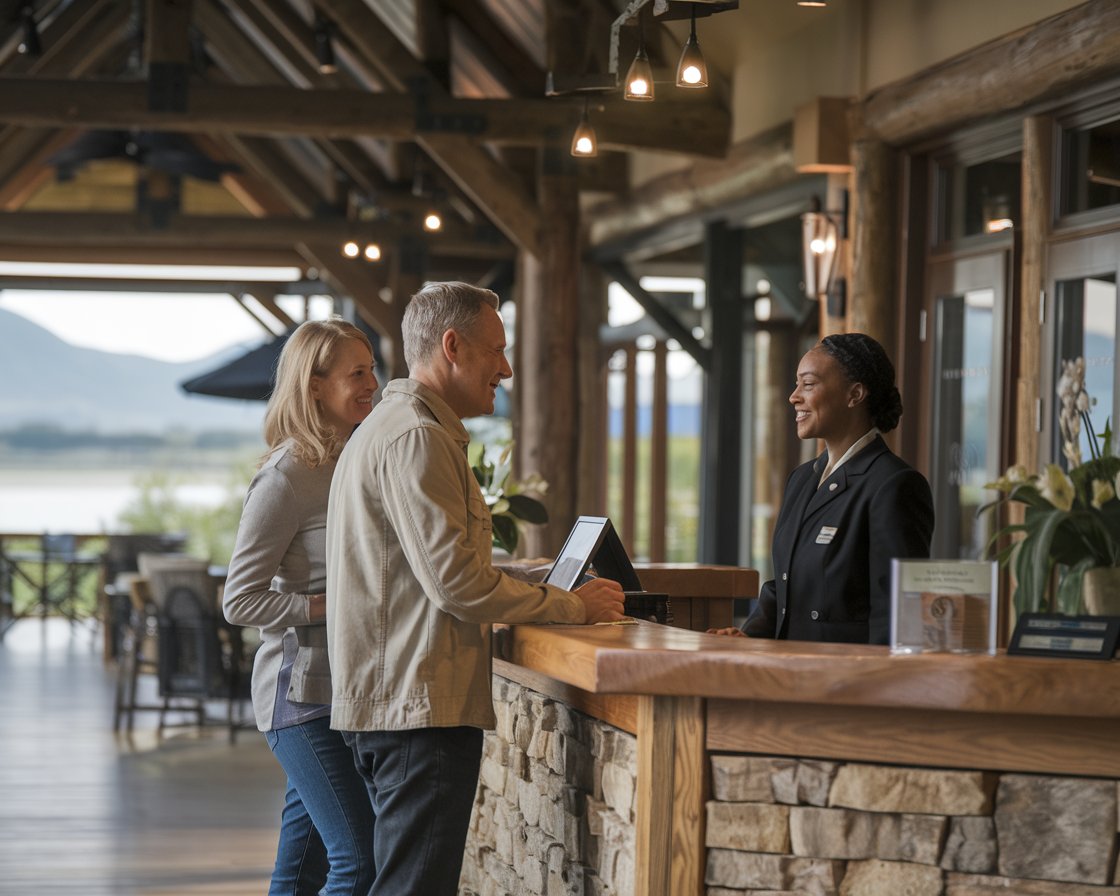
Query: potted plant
{"type": "Point", "coordinates": [511, 501]}
{"type": "Point", "coordinates": [1071, 521]}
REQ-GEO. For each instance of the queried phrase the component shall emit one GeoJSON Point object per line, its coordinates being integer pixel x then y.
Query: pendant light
{"type": "Point", "coordinates": [30, 45]}
{"type": "Point", "coordinates": [324, 46]}
{"type": "Point", "coordinates": [584, 143]}
{"type": "Point", "coordinates": [639, 79]}
{"type": "Point", "coordinates": [691, 70]}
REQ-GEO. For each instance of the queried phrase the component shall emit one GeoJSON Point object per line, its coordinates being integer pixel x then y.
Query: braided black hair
{"type": "Point", "coordinates": [865, 361]}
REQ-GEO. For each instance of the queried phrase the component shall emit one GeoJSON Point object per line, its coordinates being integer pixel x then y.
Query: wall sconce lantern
{"type": "Point", "coordinates": [821, 233]}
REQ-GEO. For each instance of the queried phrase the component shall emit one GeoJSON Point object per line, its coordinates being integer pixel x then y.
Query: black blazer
{"type": "Point", "coordinates": [833, 547]}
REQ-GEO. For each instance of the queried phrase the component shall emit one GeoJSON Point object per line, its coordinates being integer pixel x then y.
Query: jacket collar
{"type": "Point", "coordinates": [439, 408]}
{"type": "Point", "coordinates": [837, 482]}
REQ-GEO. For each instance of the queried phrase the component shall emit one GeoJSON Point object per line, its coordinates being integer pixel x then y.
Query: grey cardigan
{"type": "Point", "coordinates": [278, 560]}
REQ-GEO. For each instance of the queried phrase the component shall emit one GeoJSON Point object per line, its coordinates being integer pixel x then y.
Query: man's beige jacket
{"type": "Point", "coordinates": [411, 592]}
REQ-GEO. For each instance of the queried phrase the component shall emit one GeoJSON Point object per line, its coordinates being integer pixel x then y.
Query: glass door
{"type": "Point", "coordinates": [966, 308]}
{"type": "Point", "coordinates": [1082, 325]}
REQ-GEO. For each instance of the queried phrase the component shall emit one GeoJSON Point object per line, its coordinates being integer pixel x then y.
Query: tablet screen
{"type": "Point", "coordinates": [574, 558]}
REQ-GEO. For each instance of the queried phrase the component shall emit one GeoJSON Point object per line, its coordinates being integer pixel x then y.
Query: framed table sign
{"type": "Point", "coordinates": [1078, 637]}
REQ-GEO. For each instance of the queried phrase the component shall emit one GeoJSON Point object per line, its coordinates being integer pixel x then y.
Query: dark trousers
{"type": "Point", "coordinates": [421, 784]}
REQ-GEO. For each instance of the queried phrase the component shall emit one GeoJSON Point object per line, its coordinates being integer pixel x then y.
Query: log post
{"type": "Point", "coordinates": [546, 377]}
{"type": "Point", "coordinates": [872, 306]}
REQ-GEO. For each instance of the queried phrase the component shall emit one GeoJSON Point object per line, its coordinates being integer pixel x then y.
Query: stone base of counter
{"type": "Point", "coordinates": [814, 828]}
{"type": "Point", "coordinates": [554, 813]}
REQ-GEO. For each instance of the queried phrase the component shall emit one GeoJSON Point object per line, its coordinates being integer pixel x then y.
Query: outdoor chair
{"type": "Point", "coordinates": [178, 633]}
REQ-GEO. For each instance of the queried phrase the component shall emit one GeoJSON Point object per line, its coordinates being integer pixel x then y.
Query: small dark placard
{"type": "Point", "coordinates": [1079, 637]}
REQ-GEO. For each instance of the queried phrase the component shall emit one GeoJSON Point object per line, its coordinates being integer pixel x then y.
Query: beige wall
{"type": "Point", "coordinates": [776, 55]}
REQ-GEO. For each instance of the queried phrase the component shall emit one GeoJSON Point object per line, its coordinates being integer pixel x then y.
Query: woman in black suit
{"type": "Point", "coordinates": [846, 514]}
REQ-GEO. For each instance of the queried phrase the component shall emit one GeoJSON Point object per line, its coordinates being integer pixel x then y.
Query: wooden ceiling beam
{"type": "Point", "coordinates": [690, 127]}
{"type": "Point", "coordinates": [247, 256]}
{"type": "Point", "coordinates": [24, 151]}
{"type": "Point", "coordinates": [361, 281]}
{"type": "Point", "coordinates": [197, 231]}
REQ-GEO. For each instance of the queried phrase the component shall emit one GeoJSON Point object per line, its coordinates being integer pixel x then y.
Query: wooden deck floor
{"type": "Point", "coordinates": [83, 811]}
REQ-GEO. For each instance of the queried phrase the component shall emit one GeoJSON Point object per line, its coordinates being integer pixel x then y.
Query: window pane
{"type": "Point", "coordinates": [1086, 328]}
{"type": "Point", "coordinates": [1090, 168]}
{"type": "Point", "coordinates": [963, 401]}
{"type": "Point", "coordinates": [978, 199]}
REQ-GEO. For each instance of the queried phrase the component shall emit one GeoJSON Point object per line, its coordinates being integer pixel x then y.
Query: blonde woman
{"type": "Point", "coordinates": [325, 386]}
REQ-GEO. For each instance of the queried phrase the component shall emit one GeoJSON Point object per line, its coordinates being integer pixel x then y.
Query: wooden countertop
{"type": "Point", "coordinates": [644, 658]}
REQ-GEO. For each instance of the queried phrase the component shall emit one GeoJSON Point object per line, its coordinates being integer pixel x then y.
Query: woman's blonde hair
{"type": "Point", "coordinates": [293, 414]}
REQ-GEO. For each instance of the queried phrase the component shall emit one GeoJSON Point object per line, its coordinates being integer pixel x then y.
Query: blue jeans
{"type": "Point", "coordinates": [326, 830]}
{"type": "Point", "coordinates": [421, 784]}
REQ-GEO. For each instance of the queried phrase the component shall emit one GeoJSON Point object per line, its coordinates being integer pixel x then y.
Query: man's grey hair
{"type": "Point", "coordinates": [434, 310]}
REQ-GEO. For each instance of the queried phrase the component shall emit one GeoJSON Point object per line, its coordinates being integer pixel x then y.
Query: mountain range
{"type": "Point", "coordinates": [45, 380]}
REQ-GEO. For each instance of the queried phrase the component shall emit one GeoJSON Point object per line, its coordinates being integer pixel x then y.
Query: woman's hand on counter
{"type": "Point", "coordinates": [731, 631]}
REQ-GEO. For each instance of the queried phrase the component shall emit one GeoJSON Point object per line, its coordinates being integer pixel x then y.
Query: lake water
{"type": "Point", "coordinates": [88, 501]}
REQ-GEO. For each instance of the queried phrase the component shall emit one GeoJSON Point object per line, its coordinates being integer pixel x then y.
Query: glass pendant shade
{"type": "Point", "coordinates": [584, 143]}
{"type": "Point", "coordinates": [324, 49]}
{"type": "Point", "coordinates": [692, 70]}
{"type": "Point", "coordinates": [639, 79]}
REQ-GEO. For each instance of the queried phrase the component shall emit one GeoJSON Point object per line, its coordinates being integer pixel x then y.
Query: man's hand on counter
{"type": "Point", "coordinates": [602, 601]}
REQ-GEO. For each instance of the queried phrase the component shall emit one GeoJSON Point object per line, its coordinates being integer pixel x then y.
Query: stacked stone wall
{"type": "Point", "coordinates": [787, 827]}
{"type": "Point", "coordinates": [554, 812]}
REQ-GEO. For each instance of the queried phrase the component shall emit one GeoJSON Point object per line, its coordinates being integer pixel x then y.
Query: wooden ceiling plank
{"type": "Point", "coordinates": [292, 42]}
{"type": "Point", "coordinates": [20, 180]}
{"type": "Point", "coordinates": [66, 39]}
{"type": "Point", "coordinates": [266, 161]}
{"type": "Point", "coordinates": [255, 194]}
{"type": "Point", "coordinates": [469, 165]}
{"type": "Point", "coordinates": [519, 65]}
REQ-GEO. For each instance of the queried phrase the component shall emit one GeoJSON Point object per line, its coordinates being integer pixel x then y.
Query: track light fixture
{"type": "Point", "coordinates": [30, 45]}
{"type": "Point", "coordinates": [433, 221]}
{"type": "Point", "coordinates": [639, 79]}
{"type": "Point", "coordinates": [584, 143]}
{"type": "Point", "coordinates": [351, 249]}
{"type": "Point", "coordinates": [372, 252]}
{"type": "Point", "coordinates": [692, 70]}
{"type": "Point", "coordinates": [324, 46]}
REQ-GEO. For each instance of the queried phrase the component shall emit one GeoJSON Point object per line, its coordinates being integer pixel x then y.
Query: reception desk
{"type": "Point", "coordinates": [764, 765]}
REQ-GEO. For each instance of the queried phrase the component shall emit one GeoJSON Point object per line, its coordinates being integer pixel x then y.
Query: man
{"type": "Point", "coordinates": [411, 592]}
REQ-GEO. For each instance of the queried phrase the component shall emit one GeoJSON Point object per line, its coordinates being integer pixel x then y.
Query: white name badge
{"type": "Point", "coordinates": [826, 534]}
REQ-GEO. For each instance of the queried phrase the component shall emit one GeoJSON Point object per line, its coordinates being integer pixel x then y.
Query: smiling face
{"type": "Point", "coordinates": [345, 392]}
{"type": "Point", "coordinates": [826, 404]}
{"type": "Point", "coordinates": [480, 364]}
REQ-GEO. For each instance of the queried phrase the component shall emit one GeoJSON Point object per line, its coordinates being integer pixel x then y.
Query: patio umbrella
{"type": "Point", "coordinates": [249, 377]}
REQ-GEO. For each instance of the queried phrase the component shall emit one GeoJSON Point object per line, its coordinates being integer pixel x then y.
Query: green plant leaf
{"type": "Point", "coordinates": [505, 533]}
{"type": "Point", "coordinates": [528, 509]}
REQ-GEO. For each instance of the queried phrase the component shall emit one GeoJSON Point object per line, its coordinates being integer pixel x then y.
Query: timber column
{"type": "Point", "coordinates": [545, 379]}
{"type": "Point", "coordinates": [873, 305]}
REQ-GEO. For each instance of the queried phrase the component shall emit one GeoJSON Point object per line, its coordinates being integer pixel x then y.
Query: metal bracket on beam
{"type": "Point", "coordinates": [430, 122]}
